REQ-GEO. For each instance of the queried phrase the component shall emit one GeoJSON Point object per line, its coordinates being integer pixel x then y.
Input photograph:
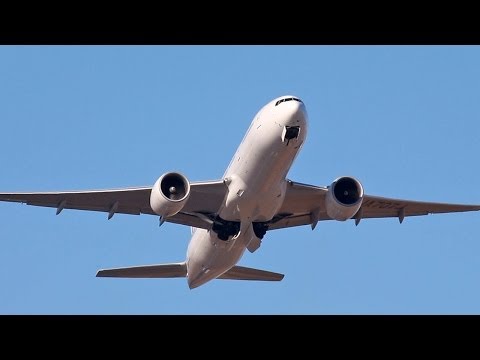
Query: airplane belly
{"type": "Point", "coordinates": [256, 181]}
{"type": "Point", "coordinates": [248, 202]}
{"type": "Point", "coordinates": [208, 257]}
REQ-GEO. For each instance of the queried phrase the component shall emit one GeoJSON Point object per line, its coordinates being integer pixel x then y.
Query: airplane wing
{"type": "Point", "coordinates": [303, 203]}
{"type": "Point", "coordinates": [205, 199]}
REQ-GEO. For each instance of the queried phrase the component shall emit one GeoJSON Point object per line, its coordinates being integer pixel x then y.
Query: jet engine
{"type": "Point", "coordinates": [169, 194]}
{"type": "Point", "coordinates": [344, 198]}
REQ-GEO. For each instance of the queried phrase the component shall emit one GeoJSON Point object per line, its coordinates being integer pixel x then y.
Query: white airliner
{"type": "Point", "coordinates": [234, 213]}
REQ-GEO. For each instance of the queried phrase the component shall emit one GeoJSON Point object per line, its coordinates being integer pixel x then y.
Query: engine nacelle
{"type": "Point", "coordinates": [169, 194]}
{"type": "Point", "coordinates": [344, 198]}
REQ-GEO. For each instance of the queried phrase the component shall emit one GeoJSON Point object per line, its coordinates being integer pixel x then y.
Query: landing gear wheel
{"type": "Point", "coordinates": [223, 236]}
{"type": "Point", "coordinates": [260, 229]}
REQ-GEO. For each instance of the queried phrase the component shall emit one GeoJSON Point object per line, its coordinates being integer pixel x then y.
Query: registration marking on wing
{"type": "Point", "coordinates": [381, 204]}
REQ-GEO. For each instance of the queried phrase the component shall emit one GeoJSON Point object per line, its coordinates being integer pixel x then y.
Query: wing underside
{"type": "Point", "coordinates": [204, 201]}
{"type": "Point", "coordinates": [304, 204]}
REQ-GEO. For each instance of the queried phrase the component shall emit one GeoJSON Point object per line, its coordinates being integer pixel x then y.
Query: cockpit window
{"type": "Point", "coordinates": [288, 99]}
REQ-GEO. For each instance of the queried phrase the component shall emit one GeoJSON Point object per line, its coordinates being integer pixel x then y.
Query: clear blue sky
{"type": "Point", "coordinates": [404, 120]}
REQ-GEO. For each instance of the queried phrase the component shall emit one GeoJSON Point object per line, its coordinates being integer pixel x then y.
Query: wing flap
{"type": "Point", "coordinates": [246, 273]}
{"type": "Point", "coordinates": [173, 270]}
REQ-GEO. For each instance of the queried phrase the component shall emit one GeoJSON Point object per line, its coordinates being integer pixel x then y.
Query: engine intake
{"type": "Point", "coordinates": [169, 194]}
{"type": "Point", "coordinates": [344, 198]}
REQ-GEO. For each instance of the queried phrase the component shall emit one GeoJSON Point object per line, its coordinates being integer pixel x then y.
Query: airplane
{"type": "Point", "coordinates": [233, 214]}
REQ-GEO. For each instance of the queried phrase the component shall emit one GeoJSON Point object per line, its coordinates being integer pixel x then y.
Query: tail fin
{"type": "Point", "coordinates": [172, 270]}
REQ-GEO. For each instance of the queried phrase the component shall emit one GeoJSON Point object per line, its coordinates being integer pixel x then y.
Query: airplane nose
{"type": "Point", "coordinates": [295, 113]}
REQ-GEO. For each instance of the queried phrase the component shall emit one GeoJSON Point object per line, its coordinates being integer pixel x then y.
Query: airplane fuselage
{"type": "Point", "coordinates": [256, 181]}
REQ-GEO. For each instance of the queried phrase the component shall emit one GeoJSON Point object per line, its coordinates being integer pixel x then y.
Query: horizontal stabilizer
{"type": "Point", "coordinates": [245, 273]}
{"type": "Point", "coordinates": [147, 271]}
{"type": "Point", "coordinates": [175, 270]}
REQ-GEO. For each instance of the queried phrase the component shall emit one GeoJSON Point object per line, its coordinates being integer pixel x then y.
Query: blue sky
{"type": "Point", "coordinates": [404, 120]}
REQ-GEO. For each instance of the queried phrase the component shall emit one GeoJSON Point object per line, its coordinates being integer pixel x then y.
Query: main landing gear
{"type": "Point", "coordinates": [225, 229]}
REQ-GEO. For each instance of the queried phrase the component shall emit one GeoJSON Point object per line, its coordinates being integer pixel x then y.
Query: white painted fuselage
{"type": "Point", "coordinates": [256, 180]}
